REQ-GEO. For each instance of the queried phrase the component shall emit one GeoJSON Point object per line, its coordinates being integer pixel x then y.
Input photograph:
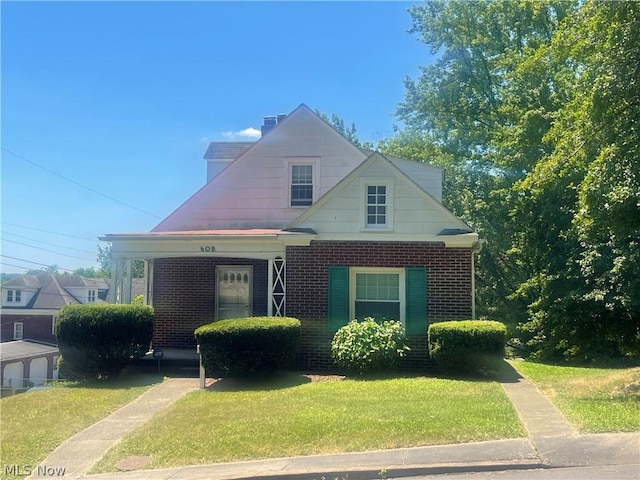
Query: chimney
{"type": "Point", "coordinates": [269, 122]}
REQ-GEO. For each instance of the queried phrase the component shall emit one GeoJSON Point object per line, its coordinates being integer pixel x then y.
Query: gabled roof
{"type": "Point", "coordinates": [354, 176]}
{"type": "Point", "coordinates": [51, 289]}
{"type": "Point", "coordinates": [207, 209]}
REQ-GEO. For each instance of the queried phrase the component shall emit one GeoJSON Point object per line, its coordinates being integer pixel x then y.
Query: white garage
{"type": "Point", "coordinates": [24, 362]}
{"type": "Point", "coordinates": [12, 375]}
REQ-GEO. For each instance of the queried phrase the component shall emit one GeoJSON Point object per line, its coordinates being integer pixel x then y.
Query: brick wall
{"type": "Point", "coordinates": [35, 327]}
{"type": "Point", "coordinates": [448, 288]}
{"type": "Point", "coordinates": [184, 296]}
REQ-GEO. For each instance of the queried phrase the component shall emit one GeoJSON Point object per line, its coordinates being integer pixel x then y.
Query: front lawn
{"type": "Point", "coordinates": [35, 423]}
{"type": "Point", "coordinates": [300, 417]}
{"type": "Point", "coordinates": [594, 400]}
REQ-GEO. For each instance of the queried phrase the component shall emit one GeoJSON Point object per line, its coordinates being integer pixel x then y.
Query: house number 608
{"type": "Point", "coordinates": [208, 248]}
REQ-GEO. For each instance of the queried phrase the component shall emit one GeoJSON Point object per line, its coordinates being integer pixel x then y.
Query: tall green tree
{"type": "Point", "coordinates": [534, 107]}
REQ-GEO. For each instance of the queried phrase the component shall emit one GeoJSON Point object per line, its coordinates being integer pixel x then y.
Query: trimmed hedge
{"type": "Point", "coordinates": [467, 345]}
{"type": "Point", "coordinates": [248, 346]}
{"type": "Point", "coordinates": [368, 346]}
{"type": "Point", "coordinates": [99, 341]}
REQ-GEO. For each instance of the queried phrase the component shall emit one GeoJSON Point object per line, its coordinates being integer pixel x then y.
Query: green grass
{"type": "Point", "coordinates": [594, 400]}
{"type": "Point", "coordinates": [297, 418]}
{"type": "Point", "coordinates": [35, 423]}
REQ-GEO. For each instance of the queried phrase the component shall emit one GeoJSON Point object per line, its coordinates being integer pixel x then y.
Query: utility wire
{"type": "Point", "coordinates": [47, 231]}
{"type": "Point", "coordinates": [78, 183]}
{"type": "Point", "coordinates": [46, 243]}
{"type": "Point", "coordinates": [35, 263]}
{"type": "Point", "coordinates": [47, 250]}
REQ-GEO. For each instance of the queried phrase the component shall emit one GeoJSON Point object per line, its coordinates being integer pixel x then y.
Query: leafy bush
{"type": "Point", "coordinates": [467, 346]}
{"type": "Point", "coordinates": [248, 346]}
{"type": "Point", "coordinates": [99, 341]}
{"type": "Point", "coordinates": [368, 346]}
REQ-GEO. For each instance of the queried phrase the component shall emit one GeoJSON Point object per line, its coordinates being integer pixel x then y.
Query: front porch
{"type": "Point", "coordinates": [194, 278]}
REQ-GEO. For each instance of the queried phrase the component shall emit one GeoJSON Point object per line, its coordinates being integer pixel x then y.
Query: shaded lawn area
{"type": "Point", "coordinates": [35, 423]}
{"type": "Point", "coordinates": [233, 422]}
{"type": "Point", "coordinates": [594, 400]}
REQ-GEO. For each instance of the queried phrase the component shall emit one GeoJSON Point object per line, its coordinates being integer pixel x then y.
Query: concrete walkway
{"type": "Point", "coordinates": [551, 442]}
{"type": "Point", "coordinates": [82, 451]}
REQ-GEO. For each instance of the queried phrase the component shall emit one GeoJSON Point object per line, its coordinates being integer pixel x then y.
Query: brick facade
{"type": "Point", "coordinates": [449, 287]}
{"type": "Point", "coordinates": [34, 327]}
{"type": "Point", "coordinates": [184, 292]}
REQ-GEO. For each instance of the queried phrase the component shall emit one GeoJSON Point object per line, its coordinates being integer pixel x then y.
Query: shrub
{"type": "Point", "coordinates": [467, 346]}
{"type": "Point", "coordinates": [248, 346]}
{"type": "Point", "coordinates": [99, 341]}
{"type": "Point", "coordinates": [368, 346]}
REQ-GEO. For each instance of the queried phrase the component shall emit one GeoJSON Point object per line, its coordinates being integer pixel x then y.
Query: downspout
{"type": "Point", "coordinates": [476, 248]}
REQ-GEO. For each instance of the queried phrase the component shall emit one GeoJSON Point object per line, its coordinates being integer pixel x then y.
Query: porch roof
{"type": "Point", "coordinates": [251, 232]}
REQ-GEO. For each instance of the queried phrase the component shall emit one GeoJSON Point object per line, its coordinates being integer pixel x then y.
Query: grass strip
{"type": "Point", "coordinates": [300, 417]}
{"type": "Point", "coordinates": [35, 423]}
{"type": "Point", "coordinates": [594, 400]}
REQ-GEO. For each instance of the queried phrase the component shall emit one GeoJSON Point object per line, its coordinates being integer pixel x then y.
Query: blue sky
{"type": "Point", "coordinates": [122, 98]}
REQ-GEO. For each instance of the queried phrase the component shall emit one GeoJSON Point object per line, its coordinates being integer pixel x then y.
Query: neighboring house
{"type": "Point", "coordinates": [24, 363]}
{"type": "Point", "coordinates": [305, 224]}
{"type": "Point", "coordinates": [31, 303]}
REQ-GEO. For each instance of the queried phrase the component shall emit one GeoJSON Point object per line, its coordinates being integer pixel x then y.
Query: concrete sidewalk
{"type": "Point", "coordinates": [551, 442]}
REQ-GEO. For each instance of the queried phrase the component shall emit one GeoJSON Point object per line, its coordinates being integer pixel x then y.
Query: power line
{"type": "Point", "coordinates": [47, 231]}
{"type": "Point", "coordinates": [46, 243]}
{"type": "Point", "coordinates": [35, 263]}
{"type": "Point", "coordinates": [47, 250]}
{"type": "Point", "coordinates": [79, 184]}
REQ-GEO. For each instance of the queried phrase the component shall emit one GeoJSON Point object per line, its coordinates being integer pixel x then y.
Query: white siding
{"type": "Point", "coordinates": [253, 192]}
{"type": "Point", "coordinates": [414, 212]}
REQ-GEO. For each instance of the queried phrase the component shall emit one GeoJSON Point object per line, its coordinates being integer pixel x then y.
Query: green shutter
{"type": "Point", "coordinates": [416, 300]}
{"type": "Point", "coordinates": [338, 297]}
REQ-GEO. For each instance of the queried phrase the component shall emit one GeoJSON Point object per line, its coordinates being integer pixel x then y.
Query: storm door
{"type": "Point", "coordinates": [233, 292]}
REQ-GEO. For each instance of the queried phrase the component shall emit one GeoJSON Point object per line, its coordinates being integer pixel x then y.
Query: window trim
{"type": "Point", "coordinates": [400, 271]}
{"type": "Point", "coordinates": [315, 178]}
{"type": "Point", "coordinates": [365, 183]}
{"type": "Point", "coordinates": [16, 329]}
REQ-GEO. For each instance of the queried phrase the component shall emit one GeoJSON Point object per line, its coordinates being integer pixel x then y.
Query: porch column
{"type": "Point", "coordinates": [148, 275]}
{"type": "Point", "coordinates": [120, 291]}
{"type": "Point", "coordinates": [277, 287]}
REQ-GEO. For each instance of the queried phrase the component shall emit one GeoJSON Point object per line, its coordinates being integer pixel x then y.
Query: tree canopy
{"type": "Point", "coordinates": [533, 108]}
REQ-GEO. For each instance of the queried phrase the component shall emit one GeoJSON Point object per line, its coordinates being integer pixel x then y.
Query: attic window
{"type": "Point", "coordinates": [14, 296]}
{"type": "Point", "coordinates": [301, 185]}
{"type": "Point", "coordinates": [376, 205]}
{"type": "Point", "coordinates": [91, 298]}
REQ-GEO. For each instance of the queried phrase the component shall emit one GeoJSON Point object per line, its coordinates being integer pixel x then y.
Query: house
{"type": "Point", "coordinates": [31, 303]}
{"type": "Point", "coordinates": [24, 363]}
{"type": "Point", "coordinates": [305, 224]}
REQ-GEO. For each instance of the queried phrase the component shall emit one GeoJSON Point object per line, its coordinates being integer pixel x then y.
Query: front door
{"type": "Point", "coordinates": [233, 292]}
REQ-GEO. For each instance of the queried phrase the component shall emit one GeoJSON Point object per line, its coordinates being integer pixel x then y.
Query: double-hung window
{"type": "Point", "coordinates": [18, 330]}
{"type": "Point", "coordinates": [376, 205]}
{"type": "Point", "coordinates": [301, 185]}
{"type": "Point", "coordinates": [14, 296]}
{"type": "Point", "coordinates": [377, 295]}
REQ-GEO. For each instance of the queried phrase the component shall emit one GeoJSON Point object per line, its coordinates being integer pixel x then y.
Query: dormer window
{"type": "Point", "coordinates": [301, 185]}
{"type": "Point", "coordinates": [91, 297]}
{"type": "Point", "coordinates": [14, 296]}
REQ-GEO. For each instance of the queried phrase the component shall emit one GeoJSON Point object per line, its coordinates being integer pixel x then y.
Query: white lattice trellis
{"type": "Point", "coordinates": [278, 287]}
